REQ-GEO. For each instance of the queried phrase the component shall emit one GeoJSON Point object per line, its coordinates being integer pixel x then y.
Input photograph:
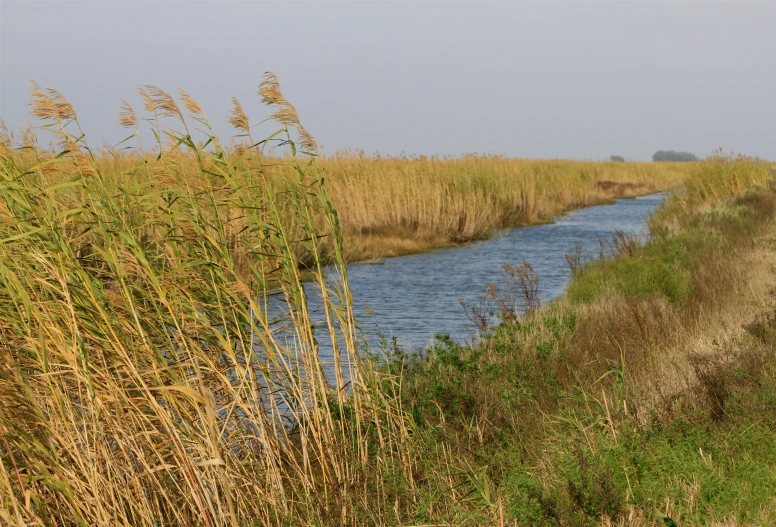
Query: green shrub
{"type": "Point", "coordinates": [638, 278]}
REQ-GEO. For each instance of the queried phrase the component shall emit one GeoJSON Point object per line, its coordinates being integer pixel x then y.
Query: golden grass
{"type": "Point", "coordinates": [386, 205]}
{"type": "Point", "coordinates": [396, 205]}
{"type": "Point", "coordinates": [391, 206]}
{"type": "Point", "coordinates": [145, 376]}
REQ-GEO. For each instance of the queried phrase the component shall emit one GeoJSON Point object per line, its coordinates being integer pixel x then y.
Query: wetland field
{"type": "Point", "coordinates": [186, 332]}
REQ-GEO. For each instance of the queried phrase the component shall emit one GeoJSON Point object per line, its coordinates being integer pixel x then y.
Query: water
{"type": "Point", "coordinates": [414, 297]}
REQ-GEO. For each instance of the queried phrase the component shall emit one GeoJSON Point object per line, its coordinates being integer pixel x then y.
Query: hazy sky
{"type": "Point", "coordinates": [529, 79]}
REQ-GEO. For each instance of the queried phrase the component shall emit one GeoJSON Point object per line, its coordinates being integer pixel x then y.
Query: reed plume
{"type": "Point", "coordinates": [159, 102]}
{"type": "Point", "coordinates": [49, 104]}
{"type": "Point", "coordinates": [237, 117]}
{"type": "Point", "coordinates": [285, 112]}
{"type": "Point", "coordinates": [191, 105]}
{"type": "Point", "coordinates": [127, 117]}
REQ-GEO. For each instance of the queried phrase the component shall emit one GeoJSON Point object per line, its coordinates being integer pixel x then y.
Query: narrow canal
{"type": "Point", "coordinates": [414, 297]}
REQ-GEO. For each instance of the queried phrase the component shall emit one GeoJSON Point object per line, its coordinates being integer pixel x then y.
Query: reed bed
{"type": "Point", "coordinates": [399, 205]}
{"type": "Point", "coordinates": [145, 378]}
{"type": "Point", "coordinates": [721, 177]}
{"type": "Point", "coordinates": [390, 206]}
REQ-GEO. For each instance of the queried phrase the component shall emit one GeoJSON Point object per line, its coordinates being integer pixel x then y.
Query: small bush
{"type": "Point", "coordinates": [671, 155]}
{"type": "Point", "coordinates": [637, 278]}
{"type": "Point", "coordinates": [442, 373]}
{"type": "Point", "coordinates": [530, 502]}
{"type": "Point", "coordinates": [593, 489]}
{"type": "Point", "coordinates": [713, 377]}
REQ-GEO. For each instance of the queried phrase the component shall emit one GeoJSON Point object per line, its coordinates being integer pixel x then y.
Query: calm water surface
{"type": "Point", "coordinates": [414, 297]}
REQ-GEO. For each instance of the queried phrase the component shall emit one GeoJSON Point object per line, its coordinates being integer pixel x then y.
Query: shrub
{"type": "Point", "coordinates": [637, 278]}
{"type": "Point", "coordinates": [671, 155]}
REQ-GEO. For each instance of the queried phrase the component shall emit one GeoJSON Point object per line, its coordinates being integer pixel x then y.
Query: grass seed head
{"type": "Point", "coordinates": [307, 140]}
{"type": "Point", "coordinates": [269, 90]}
{"type": "Point", "coordinates": [42, 105]}
{"type": "Point", "coordinates": [237, 117]}
{"type": "Point", "coordinates": [158, 101]}
{"type": "Point", "coordinates": [127, 117]}
{"type": "Point", "coordinates": [148, 102]}
{"type": "Point", "coordinates": [29, 139]}
{"type": "Point", "coordinates": [65, 110]}
{"type": "Point", "coordinates": [190, 104]}
{"type": "Point", "coordinates": [286, 115]}
{"type": "Point", "coordinates": [48, 104]}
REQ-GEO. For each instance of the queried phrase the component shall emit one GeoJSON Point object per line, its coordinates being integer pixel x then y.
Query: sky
{"type": "Point", "coordinates": [550, 79]}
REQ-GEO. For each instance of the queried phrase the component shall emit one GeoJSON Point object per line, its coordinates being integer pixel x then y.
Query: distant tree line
{"type": "Point", "coordinates": [671, 155]}
{"type": "Point", "coordinates": [618, 159]}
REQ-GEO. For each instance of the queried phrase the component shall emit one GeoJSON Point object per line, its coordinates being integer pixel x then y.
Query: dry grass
{"type": "Point", "coordinates": [391, 206]}
{"type": "Point", "coordinates": [158, 364]}
{"type": "Point", "coordinates": [386, 206]}
{"type": "Point", "coordinates": [395, 205]}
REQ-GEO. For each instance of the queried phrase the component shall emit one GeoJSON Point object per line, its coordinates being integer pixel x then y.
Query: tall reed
{"type": "Point", "coordinates": [397, 205]}
{"type": "Point", "coordinates": [145, 376]}
{"type": "Point", "coordinates": [392, 205]}
{"type": "Point", "coordinates": [723, 176]}
{"type": "Point", "coordinates": [715, 181]}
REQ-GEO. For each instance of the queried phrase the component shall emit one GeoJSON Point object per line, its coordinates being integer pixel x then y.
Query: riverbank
{"type": "Point", "coordinates": [414, 297]}
{"type": "Point", "coordinates": [390, 242]}
{"type": "Point", "coordinates": [395, 206]}
{"type": "Point", "coordinates": [645, 396]}
{"type": "Point", "coordinates": [398, 205]}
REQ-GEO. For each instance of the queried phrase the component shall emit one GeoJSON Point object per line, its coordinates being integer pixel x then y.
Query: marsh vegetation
{"type": "Point", "coordinates": [144, 381]}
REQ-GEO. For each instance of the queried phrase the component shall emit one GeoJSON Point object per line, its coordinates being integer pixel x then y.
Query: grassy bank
{"type": "Point", "coordinates": [146, 378]}
{"type": "Point", "coordinates": [645, 396]}
{"type": "Point", "coordinates": [396, 205]}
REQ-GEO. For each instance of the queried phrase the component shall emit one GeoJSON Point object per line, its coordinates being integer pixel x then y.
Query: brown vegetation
{"type": "Point", "coordinates": [397, 205]}
{"type": "Point", "coordinates": [387, 206]}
